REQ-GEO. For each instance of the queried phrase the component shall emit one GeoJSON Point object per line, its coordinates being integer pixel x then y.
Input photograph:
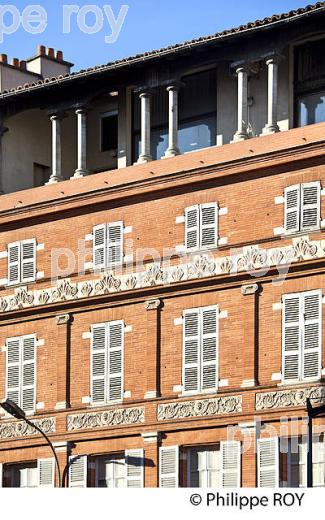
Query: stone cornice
{"type": "Point", "coordinates": [243, 260]}
{"type": "Point", "coordinates": [288, 398]}
{"type": "Point", "coordinates": [103, 419]}
{"type": "Point", "coordinates": [199, 408]}
{"type": "Point", "coordinates": [12, 430]}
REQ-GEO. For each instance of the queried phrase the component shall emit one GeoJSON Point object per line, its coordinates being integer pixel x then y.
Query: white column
{"type": "Point", "coordinates": [56, 174]}
{"type": "Point", "coordinates": [173, 149]}
{"type": "Point", "coordinates": [242, 78]}
{"type": "Point", "coordinates": [272, 96]}
{"type": "Point", "coordinates": [145, 155]}
{"type": "Point", "coordinates": [81, 170]}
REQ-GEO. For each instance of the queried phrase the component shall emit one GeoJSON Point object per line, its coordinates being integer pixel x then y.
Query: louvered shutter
{"type": "Point", "coordinates": [230, 464]}
{"type": "Point", "coordinates": [134, 462]}
{"type": "Point", "coordinates": [14, 263]}
{"type": "Point", "coordinates": [191, 350]}
{"type": "Point", "coordinates": [13, 377]}
{"type": "Point", "coordinates": [292, 209]}
{"type": "Point", "coordinates": [310, 206]}
{"type": "Point", "coordinates": [99, 246]}
{"type": "Point", "coordinates": [312, 334]}
{"type": "Point", "coordinates": [98, 363]}
{"type": "Point", "coordinates": [115, 360]}
{"type": "Point", "coordinates": [208, 225]}
{"type": "Point", "coordinates": [28, 260]}
{"type": "Point", "coordinates": [28, 372]}
{"type": "Point", "coordinates": [78, 471]}
{"type": "Point", "coordinates": [168, 467]}
{"type": "Point", "coordinates": [209, 348]}
{"type": "Point", "coordinates": [46, 472]}
{"type": "Point", "coordinates": [291, 337]}
{"type": "Point", "coordinates": [192, 226]}
{"type": "Point", "coordinates": [115, 244]}
{"type": "Point", "coordinates": [268, 462]}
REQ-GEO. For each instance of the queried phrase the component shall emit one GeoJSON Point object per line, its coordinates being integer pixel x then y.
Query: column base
{"type": "Point", "coordinates": [270, 129]}
{"type": "Point", "coordinates": [171, 152]}
{"type": "Point", "coordinates": [54, 180]}
{"type": "Point", "coordinates": [80, 173]}
{"type": "Point", "coordinates": [144, 159]}
{"type": "Point", "coordinates": [240, 136]}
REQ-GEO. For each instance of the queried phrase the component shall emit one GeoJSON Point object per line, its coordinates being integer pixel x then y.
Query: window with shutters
{"type": "Point", "coordinates": [301, 336]}
{"type": "Point", "coordinates": [21, 371]}
{"type": "Point", "coordinates": [200, 349]}
{"type": "Point", "coordinates": [120, 470]}
{"type": "Point", "coordinates": [201, 227]}
{"type": "Point", "coordinates": [214, 466]}
{"type": "Point", "coordinates": [22, 262]}
{"type": "Point", "coordinates": [29, 475]}
{"type": "Point", "coordinates": [302, 207]}
{"type": "Point", "coordinates": [294, 469]}
{"type": "Point", "coordinates": [107, 353]}
{"type": "Point", "coordinates": [108, 245]}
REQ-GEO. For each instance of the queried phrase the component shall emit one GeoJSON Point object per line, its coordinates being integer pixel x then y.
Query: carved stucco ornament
{"type": "Point", "coordinates": [122, 416]}
{"type": "Point", "coordinates": [200, 408]}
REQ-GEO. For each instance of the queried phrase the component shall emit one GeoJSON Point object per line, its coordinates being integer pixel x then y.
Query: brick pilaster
{"type": "Point", "coordinates": [153, 348]}
{"type": "Point", "coordinates": [250, 335]}
{"type": "Point", "coordinates": [63, 365]}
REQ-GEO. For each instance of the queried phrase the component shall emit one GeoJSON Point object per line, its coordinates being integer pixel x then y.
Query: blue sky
{"type": "Point", "coordinates": [148, 24]}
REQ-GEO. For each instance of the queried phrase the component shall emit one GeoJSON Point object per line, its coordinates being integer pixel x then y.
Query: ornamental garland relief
{"type": "Point", "coordinates": [11, 430]}
{"type": "Point", "coordinates": [285, 398]}
{"type": "Point", "coordinates": [122, 416]}
{"type": "Point", "coordinates": [200, 266]}
{"type": "Point", "coordinates": [199, 408]}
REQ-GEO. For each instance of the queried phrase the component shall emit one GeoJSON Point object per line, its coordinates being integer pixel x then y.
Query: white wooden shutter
{"type": "Point", "coordinates": [14, 263]}
{"type": "Point", "coordinates": [292, 209]}
{"type": "Point", "coordinates": [312, 335]}
{"type": "Point", "coordinates": [209, 348]}
{"type": "Point", "coordinates": [28, 373]}
{"type": "Point", "coordinates": [310, 206]}
{"type": "Point", "coordinates": [115, 360]}
{"type": "Point", "coordinates": [98, 363]}
{"type": "Point", "coordinates": [192, 226]}
{"type": "Point", "coordinates": [191, 350]}
{"type": "Point", "coordinates": [28, 260]}
{"type": "Point", "coordinates": [268, 462]}
{"type": "Point", "coordinates": [208, 225]}
{"type": "Point", "coordinates": [13, 372]}
{"type": "Point", "coordinates": [230, 464]}
{"type": "Point", "coordinates": [291, 337]}
{"type": "Point", "coordinates": [115, 244]}
{"type": "Point", "coordinates": [168, 467]}
{"type": "Point", "coordinates": [78, 471]}
{"type": "Point", "coordinates": [134, 461]}
{"type": "Point", "coordinates": [46, 472]}
{"type": "Point", "coordinates": [99, 246]}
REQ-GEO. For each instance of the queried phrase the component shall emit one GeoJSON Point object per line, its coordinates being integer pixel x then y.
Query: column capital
{"type": "Point", "coordinates": [63, 318]}
{"type": "Point", "coordinates": [144, 92]}
{"type": "Point", "coordinates": [81, 110]}
{"type": "Point", "coordinates": [249, 289]}
{"type": "Point", "coordinates": [174, 85]}
{"type": "Point", "coordinates": [151, 305]}
{"type": "Point", "coordinates": [153, 437]}
{"type": "Point", "coordinates": [57, 116]}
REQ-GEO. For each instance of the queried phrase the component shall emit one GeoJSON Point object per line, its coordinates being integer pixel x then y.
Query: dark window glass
{"type": "Point", "coordinates": [109, 129]}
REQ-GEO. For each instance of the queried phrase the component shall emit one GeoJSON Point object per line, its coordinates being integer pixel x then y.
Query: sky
{"type": "Point", "coordinates": [83, 30]}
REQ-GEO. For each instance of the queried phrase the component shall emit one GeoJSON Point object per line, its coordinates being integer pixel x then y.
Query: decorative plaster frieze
{"type": "Point", "coordinates": [11, 430]}
{"type": "Point", "coordinates": [200, 266]}
{"type": "Point", "coordinates": [285, 398]}
{"type": "Point", "coordinates": [199, 408]}
{"type": "Point", "coordinates": [118, 417]}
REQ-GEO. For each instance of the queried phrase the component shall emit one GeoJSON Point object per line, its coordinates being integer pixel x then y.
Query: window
{"type": "Point", "coordinates": [22, 262]}
{"type": "Point", "coordinates": [111, 472]}
{"type": "Point", "coordinates": [29, 475]}
{"type": "Point", "coordinates": [302, 207]}
{"type": "Point", "coordinates": [107, 345]}
{"type": "Point", "coordinates": [301, 336]}
{"type": "Point", "coordinates": [200, 349]}
{"type": "Point", "coordinates": [310, 82]}
{"type": "Point", "coordinates": [284, 463]}
{"type": "Point", "coordinates": [108, 245]}
{"type": "Point", "coordinates": [109, 131]}
{"type": "Point", "coordinates": [197, 115]}
{"type": "Point", "coordinates": [201, 226]}
{"type": "Point", "coordinates": [204, 466]}
{"type": "Point", "coordinates": [21, 371]}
